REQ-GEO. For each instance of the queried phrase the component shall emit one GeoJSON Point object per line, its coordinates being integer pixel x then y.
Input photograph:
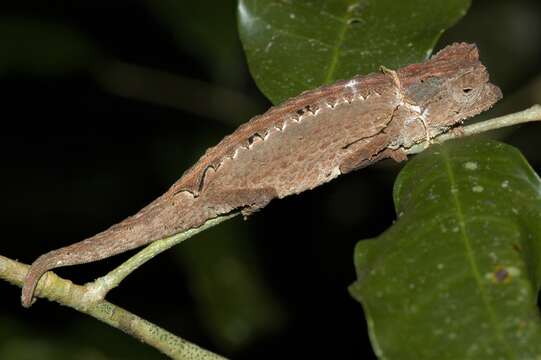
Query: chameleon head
{"type": "Point", "coordinates": [470, 93]}
{"type": "Point", "coordinates": [454, 91]}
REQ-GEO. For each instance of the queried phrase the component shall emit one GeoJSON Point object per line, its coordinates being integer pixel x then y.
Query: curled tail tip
{"type": "Point", "coordinates": [34, 274]}
{"type": "Point", "coordinates": [27, 294]}
{"type": "Point", "coordinates": [27, 299]}
{"type": "Point", "coordinates": [29, 286]}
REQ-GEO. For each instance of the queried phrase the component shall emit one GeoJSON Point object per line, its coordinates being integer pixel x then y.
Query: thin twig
{"type": "Point", "coordinates": [531, 114]}
{"type": "Point", "coordinates": [66, 293]}
{"type": "Point", "coordinates": [101, 286]}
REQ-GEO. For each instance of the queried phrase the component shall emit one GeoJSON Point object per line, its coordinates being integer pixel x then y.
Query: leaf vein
{"type": "Point", "coordinates": [469, 254]}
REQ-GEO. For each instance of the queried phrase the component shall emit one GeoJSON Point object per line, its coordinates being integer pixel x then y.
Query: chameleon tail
{"type": "Point", "coordinates": [115, 240]}
{"type": "Point", "coordinates": [122, 237]}
{"type": "Point", "coordinates": [153, 222]}
{"type": "Point", "coordinates": [39, 267]}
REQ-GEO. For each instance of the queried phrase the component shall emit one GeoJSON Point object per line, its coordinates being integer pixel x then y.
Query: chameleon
{"type": "Point", "coordinates": [298, 145]}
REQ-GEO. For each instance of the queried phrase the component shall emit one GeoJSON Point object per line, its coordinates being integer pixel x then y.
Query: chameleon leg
{"type": "Point", "coordinates": [359, 160]}
{"type": "Point", "coordinates": [246, 200]}
{"type": "Point", "coordinates": [428, 141]}
{"type": "Point", "coordinates": [394, 75]}
{"type": "Point", "coordinates": [365, 153]}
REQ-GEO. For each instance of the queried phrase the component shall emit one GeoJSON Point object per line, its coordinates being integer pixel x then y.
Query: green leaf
{"type": "Point", "coordinates": [293, 46]}
{"type": "Point", "coordinates": [457, 276]}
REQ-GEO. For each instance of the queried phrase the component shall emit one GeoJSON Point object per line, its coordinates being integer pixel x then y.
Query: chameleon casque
{"type": "Point", "coordinates": [298, 145]}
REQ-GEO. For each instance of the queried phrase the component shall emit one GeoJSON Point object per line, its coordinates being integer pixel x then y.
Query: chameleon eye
{"type": "Point", "coordinates": [470, 93]}
{"type": "Point", "coordinates": [465, 93]}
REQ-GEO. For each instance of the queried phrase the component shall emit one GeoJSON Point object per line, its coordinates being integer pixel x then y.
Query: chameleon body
{"type": "Point", "coordinates": [298, 145]}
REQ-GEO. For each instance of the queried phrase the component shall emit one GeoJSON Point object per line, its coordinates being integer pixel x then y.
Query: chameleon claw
{"type": "Point", "coordinates": [428, 140]}
{"type": "Point", "coordinates": [393, 74]}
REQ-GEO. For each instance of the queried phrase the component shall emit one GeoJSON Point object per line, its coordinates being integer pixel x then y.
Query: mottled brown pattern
{"type": "Point", "coordinates": [301, 144]}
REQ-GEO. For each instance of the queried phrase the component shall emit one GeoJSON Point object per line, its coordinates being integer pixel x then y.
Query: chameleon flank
{"type": "Point", "coordinates": [299, 145]}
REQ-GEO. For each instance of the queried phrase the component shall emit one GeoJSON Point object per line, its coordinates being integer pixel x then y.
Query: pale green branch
{"type": "Point", "coordinates": [101, 286]}
{"type": "Point", "coordinates": [531, 114]}
{"type": "Point", "coordinates": [66, 293]}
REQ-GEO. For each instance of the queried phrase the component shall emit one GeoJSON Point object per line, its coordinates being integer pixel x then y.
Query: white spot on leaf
{"type": "Point", "coordinates": [513, 271]}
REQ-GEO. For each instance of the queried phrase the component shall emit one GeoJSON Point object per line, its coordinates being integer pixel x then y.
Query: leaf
{"type": "Point", "coordinates": [293, 46]}
{"type": "Point", "coordinates": [457, 276]}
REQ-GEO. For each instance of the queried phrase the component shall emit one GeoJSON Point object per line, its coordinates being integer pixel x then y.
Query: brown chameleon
{"type": "Point", "coordinates": [298, 145]}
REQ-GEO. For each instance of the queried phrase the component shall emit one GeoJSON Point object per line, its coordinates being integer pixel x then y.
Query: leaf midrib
{"type": "Point", "coordinates": [336, 49]}
{"type": "Point", "coordinates": [469, 254]}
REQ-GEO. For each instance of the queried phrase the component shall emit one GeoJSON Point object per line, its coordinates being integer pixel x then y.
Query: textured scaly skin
{"type": "Point", "coordinates": [298, 145]}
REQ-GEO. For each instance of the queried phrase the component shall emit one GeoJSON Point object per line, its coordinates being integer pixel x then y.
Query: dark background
{"type": "Point", "coordinates": [104, 105]}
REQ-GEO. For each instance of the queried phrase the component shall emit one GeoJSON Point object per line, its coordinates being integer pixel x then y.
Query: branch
{"type": "Point", "coordinates": [66, 293]}
{"type": "Point", "coordinates": [101, 286]}
{"type": "Point", "coordinates": [531, 114]}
